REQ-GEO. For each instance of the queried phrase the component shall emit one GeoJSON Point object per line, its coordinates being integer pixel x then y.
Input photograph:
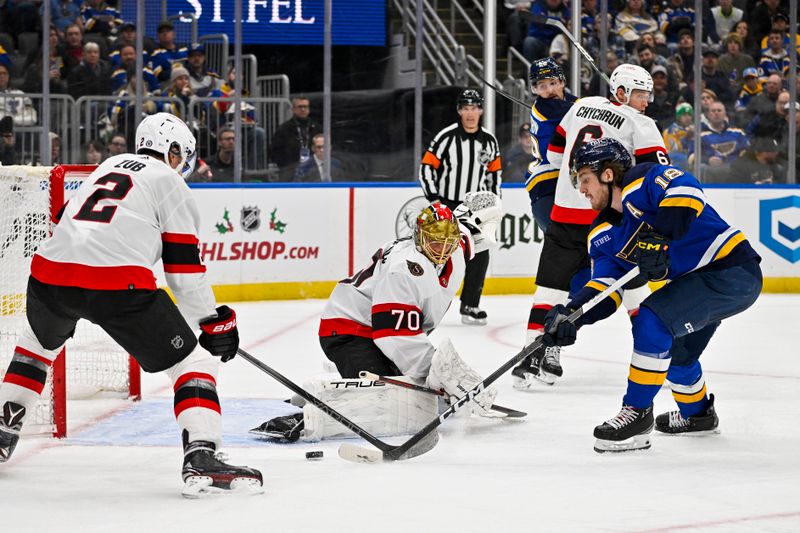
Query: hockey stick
{"type": "Point", "coordinates": [351, 452]}
{"type": "Point", "coordinates": [546, 21]}
{"type": "Point", "coordinates": [501, 92]}
{"type": "Point", "coordinates": [510, 413]}
{"type": "Point", "coordinates": [407, 453]}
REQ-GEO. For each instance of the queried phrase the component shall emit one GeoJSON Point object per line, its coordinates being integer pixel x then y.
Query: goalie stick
{"type": "Point", "coordinates": [419, 447]}
{"type": "Point", "coordinates": [510, 413]}
{"type": "Point", "coordinates": [546, 21]}
{"type": "Point", "coordinates": [352, 452]}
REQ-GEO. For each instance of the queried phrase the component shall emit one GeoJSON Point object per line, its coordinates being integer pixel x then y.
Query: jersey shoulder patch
{"type": "Point", "coordinates": [414, 268]}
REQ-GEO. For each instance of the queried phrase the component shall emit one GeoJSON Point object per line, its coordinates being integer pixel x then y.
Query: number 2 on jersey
{"type": "Point", "coordinates": [122, 184]}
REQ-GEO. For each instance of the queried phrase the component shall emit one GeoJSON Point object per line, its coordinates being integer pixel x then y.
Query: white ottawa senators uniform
{"type": "Point", "coordinates": [130, 212]}
{"type": "Point", "coordinates": [396, 301]}
{"type": "Point", "coordinates": [592, 118]}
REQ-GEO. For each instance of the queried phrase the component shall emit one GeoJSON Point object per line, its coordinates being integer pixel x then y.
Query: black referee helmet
{"type": "Point", "coordinates": [470, 97]}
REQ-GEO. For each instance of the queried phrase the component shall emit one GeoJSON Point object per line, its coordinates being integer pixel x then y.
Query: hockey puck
{"type": "Point", "coordinates": [314, 455]}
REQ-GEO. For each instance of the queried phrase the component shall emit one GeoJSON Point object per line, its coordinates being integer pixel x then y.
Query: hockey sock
{"type": "Point", "coordinates": [650, 360]}
{"type": "Point", "coordinates": [196, 404]}
{"type": "Point", "coordinates": [544, 300]}
{"type": "Point", "coordinates": [688, 388]}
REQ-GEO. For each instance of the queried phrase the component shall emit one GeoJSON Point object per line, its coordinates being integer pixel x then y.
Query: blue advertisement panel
{"type": "Point", "coordinates": [355, 22]}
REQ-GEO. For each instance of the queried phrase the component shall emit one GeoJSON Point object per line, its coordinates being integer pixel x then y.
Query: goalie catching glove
{"type": "Point", "coordinates": [480, 213]}
{"type": "Point", "coordinates": [220, 335]}
{"type": "Point", "coordinates": [451, 373]}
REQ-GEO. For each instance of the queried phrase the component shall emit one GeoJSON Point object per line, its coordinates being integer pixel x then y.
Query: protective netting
{"type": "Point", "coordinates": [94, 362]}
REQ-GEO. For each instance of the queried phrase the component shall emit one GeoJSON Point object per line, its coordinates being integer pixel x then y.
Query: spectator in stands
{"type": "Point", "coordinates": [55, 148]}
{"type": "Point", "coordinates": [764, 102]}
{"type": "Point", "coordinates": [679, 135]}
{"type": "Point", "coordinates": [761, 18]}
{"type": "Point", "coordinates": [633, 21]}
{"type": "Point", "coordinates": [202, 79]}
{"type": "Point", "coordinates": [647, 58]}
{"type": "Point", "coordinates": [5, 59]}
{"type": "Point", "coordinates": [221, 164]}
{"type": "Point", "coordinates": [721, 144]}
{"type": "Point", "coordinates": [127, 36]}
{"type": "Point", "coordinates": [202, 172]}
{"type": "Point", "coordinates": [92, 76]}
{"type": "Point", "coordinates": [770, 123]}
{"type": "Point", "coordinates": [167, 52]}
{"type": "Point", "coordinates": [123, 112]}
{"type": "Point", "coordinates": [657, 41]}
{"type": "Point", "coordinates": [14, 103]}
{"type": "Point", "coordinates": [715, 79]}
{"type": "Point", "coordinates": [516, 25]}
{"type": "Point", "coordinates": [682, 61]}
{"type": "Point", "coordinates": [94, 152]}
{"type": "Point", "coordinates": [518, 157]}
{"type": "Point", "coordinates": [662, 108]}
{"type": "Point", "coordinates": [783, 154]}
{"type": "Point", "coordinates": [125, 61]}
{"type": "Point", "coordinates": [72, 49]}
{"type": "Point", "coordinates": [540, 36]}
{"type": "Point", "coordinates": [734, 62]}
{"type": "Point", "coordinates": [117, 145]}
{"type": "Point", "coordinates": [62, 13]}
{"type": "Point", "coordinates": [749, 44]}
{"type": "Point", "coordinates": [676, 17]}
{"type": "Point", "coordinates": [759, 165]}
{"type": "Point", "coordinates": [312, 169]}
{"type": "Point", "coordinates": [8, 151]}
{"type": "Point", "coordinates": [751, 86]}
{"type": "Point", "coordinates": [775, 58]}
{"type": "Point", "coordinates": [291, 142]}
{"type": "Point", "coordinates": [33, 73]}
{"type": "Point", "coordinates": [612, 62]}
{"type": "Point", "coordinates": [179, 88]}
{"type": "Point", "coordinates": [780, 22]}
{"type": "Point", "coordinates": [99, 17]}
{"type": "Point", "coordinates": [725, 17]}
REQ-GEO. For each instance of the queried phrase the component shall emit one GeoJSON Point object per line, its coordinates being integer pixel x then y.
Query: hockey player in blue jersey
{"type": "Point", "coordinates": [552, 103]}
{"type": "Point", "coordinates": [656, 216]}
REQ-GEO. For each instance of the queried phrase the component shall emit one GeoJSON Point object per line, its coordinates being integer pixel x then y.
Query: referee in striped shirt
{"type": "Point", "coordinates": [463, 158]}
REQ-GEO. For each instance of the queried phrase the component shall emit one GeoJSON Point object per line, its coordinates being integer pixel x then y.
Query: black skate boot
{"type": "Point", "coordinates": [551, 362]}
{"type": "Point", "coordinates": [702, 424]}
{"type": "Point", "coordinates": [542, 365]}
{"type": "Point", "coordinates": [10, 425]}
{"type": "Point", "coordinates": [472, 316]}
{"type": "Point", "coordinates": [629, 430]}
{"type": "Point", "coordinates": [204, 472]}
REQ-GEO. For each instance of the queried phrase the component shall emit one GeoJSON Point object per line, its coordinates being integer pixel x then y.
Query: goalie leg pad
{"type": "Point", "coordinates": [383, 410]}
{"type": "Point", "coordinates": [451, 373]}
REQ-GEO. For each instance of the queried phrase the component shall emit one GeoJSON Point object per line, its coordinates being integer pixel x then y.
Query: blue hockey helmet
{"type": "Point", "coordinates": [469, 97]}
{"type": "Point", "coordinates": [543, 69]}
{"type": "Point", "coordinates": [598, 151]}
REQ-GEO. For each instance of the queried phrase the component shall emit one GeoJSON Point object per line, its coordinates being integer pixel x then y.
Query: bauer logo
{"type": "Point", "coordinates": [779, 226]}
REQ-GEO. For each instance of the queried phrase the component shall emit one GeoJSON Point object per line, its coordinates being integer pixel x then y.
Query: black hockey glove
{"type": "Point", "coordinates": [220, 335]}
{"type": "Point", "coordinates": [558, 330]}
{"type": "Point", "coordinates": [652, 255]}
{"type": "Point", "coordinates": [282, 428]}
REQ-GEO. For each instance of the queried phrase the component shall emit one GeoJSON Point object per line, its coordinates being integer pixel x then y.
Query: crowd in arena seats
{"type": "Point", "coordinates": [745, 72]}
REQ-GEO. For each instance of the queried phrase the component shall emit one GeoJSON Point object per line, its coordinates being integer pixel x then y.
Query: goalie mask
{"type": "Point", "coordinates": [436, 233]}
{"type": "Point", "coordinates": [166, 134]}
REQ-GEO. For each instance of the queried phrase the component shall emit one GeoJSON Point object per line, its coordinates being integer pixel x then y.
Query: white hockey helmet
{"type": "Point", "coordinates": [165, 133]}
{"type": "Point", "coordinates": [631, 77]}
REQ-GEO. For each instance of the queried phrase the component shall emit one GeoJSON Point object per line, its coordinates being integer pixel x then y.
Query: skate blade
{"type": "Point", "coordinates": [469, 321]}
{"type": "Point", "coordinates": [637, 442]}
{"type": "Point", "coordinates": [704, 433]}
{"type": "Point", "coordinates": [196, 487]}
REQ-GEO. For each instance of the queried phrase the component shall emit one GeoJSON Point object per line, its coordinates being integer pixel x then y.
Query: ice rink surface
{"type": "Point", "coordinates": [116, 473]}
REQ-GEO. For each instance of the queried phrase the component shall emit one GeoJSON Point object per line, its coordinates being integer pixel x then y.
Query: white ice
{"type": "Point", "coordinates": [536, 474]}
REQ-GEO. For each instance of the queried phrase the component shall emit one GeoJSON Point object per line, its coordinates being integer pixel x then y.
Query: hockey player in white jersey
{"type": "Point", "coordinates": [378, 320]}
{"type": "Point", "coordinates": [132, 211]}
{"type": "Point", "coordinates": [565, 251]}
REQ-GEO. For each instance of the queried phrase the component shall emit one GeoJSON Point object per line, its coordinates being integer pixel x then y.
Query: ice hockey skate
{"type": "Point", "coordinates": [206, 473]}
{"type": "Point", "coordinates": [542, 365]}
{"type": "Point", "coordinates": [472, 316]}
{"type": "Point", "coordinates": [629, 430]}
{"type": "Point", "coordinates": [10, 425]}
{"type": "Point", "coordinates": [705, 423]}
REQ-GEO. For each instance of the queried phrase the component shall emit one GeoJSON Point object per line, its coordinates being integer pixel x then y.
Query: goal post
{"type": "Point", "coordinates": [91, 363]}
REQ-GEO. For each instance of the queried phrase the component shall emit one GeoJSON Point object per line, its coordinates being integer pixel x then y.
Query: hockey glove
{"type": "Point", "coordinates": [652, 255]}
{"type": "Point", "coordinates": [558, 330]}
{"type": "Point", "coordinates": [220, 335]}
{"type": "Point", "coordinates": [282, 428]}
{"type": "Point", "coordinates": [479, 214]}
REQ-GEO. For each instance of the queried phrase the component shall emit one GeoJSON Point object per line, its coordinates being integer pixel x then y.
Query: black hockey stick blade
{"type": "Point", "coordinates": [509, 412]}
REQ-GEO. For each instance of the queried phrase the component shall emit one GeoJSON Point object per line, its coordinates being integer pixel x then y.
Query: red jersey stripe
{"type": "Point", "coordinates": [180, 238]}
{"type": "Point", "coordinates": [193, 375]}
{"type": "Point", "coordinates": [343, 326]}
{"type": "Point", "coordinates": [570, 215]}
{"type": "Point", "coordinates": [23, 351]}
{"type": "Point", "coordinates": [103, 278]}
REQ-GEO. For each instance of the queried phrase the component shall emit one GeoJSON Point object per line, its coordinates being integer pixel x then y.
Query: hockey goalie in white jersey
{"type": "Point", "coordinates": [378, 320]}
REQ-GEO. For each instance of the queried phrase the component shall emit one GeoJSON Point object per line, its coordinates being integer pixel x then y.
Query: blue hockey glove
{"type": "Point", "coordinates": [652, 255]}
{"type": "Point", "coordinates": [558, 330]}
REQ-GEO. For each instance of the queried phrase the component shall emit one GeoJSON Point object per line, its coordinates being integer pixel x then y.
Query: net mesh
{"type": "Point", "coordinates": [94, 362]}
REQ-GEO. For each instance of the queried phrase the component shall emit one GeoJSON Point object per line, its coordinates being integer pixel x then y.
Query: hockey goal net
{"type": "Point", "coordinates": [92, 363]}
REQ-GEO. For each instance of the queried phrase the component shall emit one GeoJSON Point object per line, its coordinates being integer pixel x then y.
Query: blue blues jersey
{"type": "Point", "coordinates": [727, 144]}
{"type": "Point", "coordinates": [674, 19]}
{"type": "Point", "coordinates": [104, 16]}
{"type": "Point", "coordinates": [119, 79]}
{"type": "Point", "coordinates": [769, 65]}
{"type": "Point", "coordinates": [162, 60]}
{"type": "Point", "coordinates": [671, 202]}
{"type": "Point", "coordinates": [546, 114]}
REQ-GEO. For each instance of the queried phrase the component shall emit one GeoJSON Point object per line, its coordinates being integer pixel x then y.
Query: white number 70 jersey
{"type": "Point", "coordinates": [592, 118]}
